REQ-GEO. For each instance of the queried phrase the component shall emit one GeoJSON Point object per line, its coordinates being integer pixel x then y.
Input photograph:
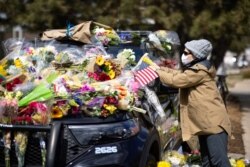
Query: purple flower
{"type": "Point", "coordinates": [86, 88]}
{"type": "Point", "coordinates": [96, 102]}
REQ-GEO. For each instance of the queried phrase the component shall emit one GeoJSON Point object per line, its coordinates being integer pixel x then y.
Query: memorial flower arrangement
{"type": "Point", "coordinates": [53, 82]}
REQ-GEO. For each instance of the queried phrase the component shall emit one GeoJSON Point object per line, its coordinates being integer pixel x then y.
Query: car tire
{"type": "Point", "coordinates": [150, 154]}
{"type": "Point", "coordinates": [151, 161]}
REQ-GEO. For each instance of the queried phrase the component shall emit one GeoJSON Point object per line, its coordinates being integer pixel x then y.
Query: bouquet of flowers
{"type": "Point", "coordinates": [99, 101]}
{"type": "Point", "coordinates": [105, 69]}
{"type": "Point", "coordinates": [106, 36]}
{"type": "Point", "coordinates": [8, 109]}
{"type": "Point", "coordinates": [8, 112]}
{"type": "Point", "coordinates": [126, 56]}
{"type": "Point", "coordinates": [239, 162]}
{"type": "Point", "coordinates": [21, 140]}
{"type": "Point", "coordinates": [175, 158]}
{"type": "Point", "coordinates": [11, 73]}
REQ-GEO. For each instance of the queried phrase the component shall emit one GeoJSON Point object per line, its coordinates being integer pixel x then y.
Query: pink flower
{"type": "Point", "coordinates": [86, 88]}
{"type": "Point", "coordinates": [38, 107]}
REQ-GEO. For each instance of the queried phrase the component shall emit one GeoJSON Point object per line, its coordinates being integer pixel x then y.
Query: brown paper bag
{"type": "Point", "coordinates": [80, 33]}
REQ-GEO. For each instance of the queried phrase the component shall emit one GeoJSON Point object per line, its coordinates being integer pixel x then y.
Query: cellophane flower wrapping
{"type": "Point", "coordinates": [41, 93]}
{"type": "Point", "coordinates": [43, 146]}
{"type": "Point", "coordinates": [11, 64]}
{"type": "Point", "coordinates": [21, 141]}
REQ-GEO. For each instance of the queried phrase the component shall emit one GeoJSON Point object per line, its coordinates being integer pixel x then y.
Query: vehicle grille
{"type": "Point", "coordinates": [73, 149]}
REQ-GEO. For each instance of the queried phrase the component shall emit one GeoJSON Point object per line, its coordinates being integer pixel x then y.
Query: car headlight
{"type": "Point", "coordinates": [102, 133]}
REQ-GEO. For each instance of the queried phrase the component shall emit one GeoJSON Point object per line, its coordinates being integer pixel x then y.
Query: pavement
{"type": "Point", "coordinates": [241, 91]}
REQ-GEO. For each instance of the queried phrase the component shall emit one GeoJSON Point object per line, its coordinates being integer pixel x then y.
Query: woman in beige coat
{"type": "Point", "coordinates": [202, 110]}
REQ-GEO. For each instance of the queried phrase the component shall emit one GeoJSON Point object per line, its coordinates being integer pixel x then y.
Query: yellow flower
{"type": "Point", "coordinates": [18, 63]}
{"type": "Point", "coordinates": [99, 60]}
{"type": "Point", "coordinates": [108, 64]}
{"type": "Point", "coordinates": [108, 31]}
{"type": "Point", "coordinates": [56, 112]}
{"type": "Point", "coordinates": [163, 164]}
{"type": "Point", "coordinates": [111, 108]}
{"type": "Point", "coordinates": [3, 72]}
{"type": "Point", "coordinates": [111, 74]}
{"type": "Point", "coordinates": [232, 162]}
{"type": "Point", "coordinates": [240, 163]}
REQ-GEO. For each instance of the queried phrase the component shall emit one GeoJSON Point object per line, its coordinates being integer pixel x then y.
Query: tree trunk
{"type": "Point", "coordinates": [219, 52]}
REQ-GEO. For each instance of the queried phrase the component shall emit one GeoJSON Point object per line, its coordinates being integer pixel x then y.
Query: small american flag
{"type": "Point", "coordinates": [145, 76]}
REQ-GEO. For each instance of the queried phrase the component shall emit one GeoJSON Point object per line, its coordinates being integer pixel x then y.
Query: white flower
{"type": "Point", "coordinates": [13, 70]}
{"type": "Point", "coordinates": [174, 160]}
{"type": "Point", "coordinates": [51, 49]}
{"type": "Point", "coordinates": [99, 30]}
{"type": "Point", "coordinates": [128, 54]}
{"type": "Point", "coordinates": [176, 123]}
{"type": "Point", "coordinates": [132, 57]}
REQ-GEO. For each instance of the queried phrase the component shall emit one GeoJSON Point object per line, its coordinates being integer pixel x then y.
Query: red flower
{"type": "Point", "coordinates": [75, 110]}
{"type": "Point", "coordinates": [25, 119]}
{"type": "Point", "coordinates": [110, 100]}
{"type": "Point", "coordinates": [38, 107]}
{"type": "Point", "coordinates": [16, 81]}
{"type": "Point", "coordinates": [9, 86]}
{"type": "Point", "coordinates": [103, 77]}
{"type": "Point", "coordinates": [93, 75]}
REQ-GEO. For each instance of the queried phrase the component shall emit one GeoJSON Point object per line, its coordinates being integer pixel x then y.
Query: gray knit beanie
{"type": "Point", "coordinates": [200, 48]}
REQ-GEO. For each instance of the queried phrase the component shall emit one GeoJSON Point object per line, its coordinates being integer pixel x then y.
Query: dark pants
{"type": "Point", "coordinates": [213, 150]}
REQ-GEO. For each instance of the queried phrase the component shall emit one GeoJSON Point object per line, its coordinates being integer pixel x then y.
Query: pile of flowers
{"type": "Point", "coordinates": [39, 84]}
{"type": "Point", "coordinates": [177, 159]}
{"type": "Point", "coordinates": [51, 79]}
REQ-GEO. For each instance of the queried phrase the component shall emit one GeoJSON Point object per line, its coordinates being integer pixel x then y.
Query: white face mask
{"type": "Point", "coordinates": [185, 59]}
